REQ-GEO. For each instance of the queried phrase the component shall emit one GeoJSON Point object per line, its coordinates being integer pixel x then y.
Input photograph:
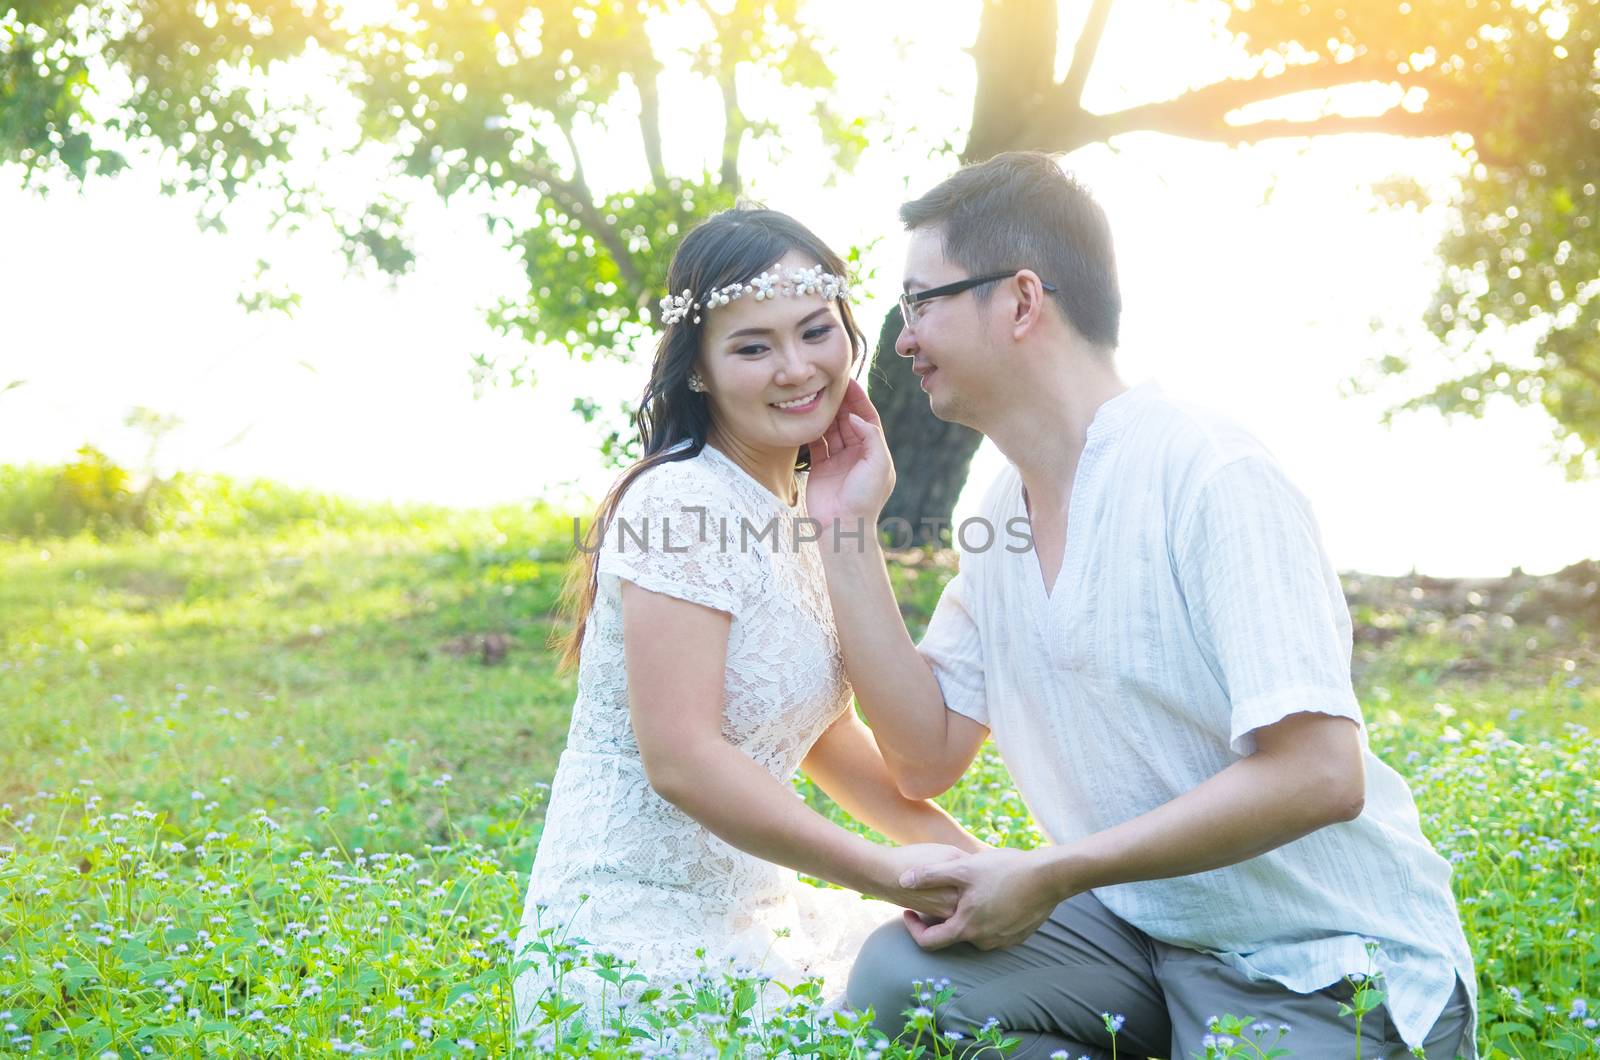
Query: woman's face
{"type": "Point", "coordinates": [775, 370]}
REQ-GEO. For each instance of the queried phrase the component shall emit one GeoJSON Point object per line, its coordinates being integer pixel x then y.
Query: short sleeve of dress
{"type": "Point", "coordinates": [664, 537]}
{"type": "Point", "coordinates": [954, 651]}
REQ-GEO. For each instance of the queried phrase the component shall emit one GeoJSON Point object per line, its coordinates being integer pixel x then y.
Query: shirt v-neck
{"type": "Point", "coordinates": [1109, 419]}
{"type": "Point", "coordinates": [1036, 569]}
{"type": "Point", "coordinates": [1044, 601]}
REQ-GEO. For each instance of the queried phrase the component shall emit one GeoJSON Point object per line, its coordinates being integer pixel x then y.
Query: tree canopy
{"type": "Point", "coordinates": [486, 98]}
{"type": "Point", "coordinates": [495, 98]}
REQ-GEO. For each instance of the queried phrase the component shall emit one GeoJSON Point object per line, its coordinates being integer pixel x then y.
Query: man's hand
{"type": "Point", "coordinates": [935, 901]}
{"type": "Point", "coordinates": [851, 473]}
{"type": "Point", "coordinates": [1004, 895]}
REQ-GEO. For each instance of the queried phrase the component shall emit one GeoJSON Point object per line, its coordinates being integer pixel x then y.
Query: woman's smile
{"type": "Point", "coordinates": [804, 403]}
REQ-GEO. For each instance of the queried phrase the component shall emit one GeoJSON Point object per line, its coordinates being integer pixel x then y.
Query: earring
{"type": "Point", "coordinates": [697, 384]}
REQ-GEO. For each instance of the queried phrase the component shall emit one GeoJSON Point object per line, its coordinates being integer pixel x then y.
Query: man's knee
{"type": "Point", "coordinates": [883, 974]}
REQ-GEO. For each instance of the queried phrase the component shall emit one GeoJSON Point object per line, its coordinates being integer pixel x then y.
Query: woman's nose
{"type": "Point", "coordinates": [794, 366]}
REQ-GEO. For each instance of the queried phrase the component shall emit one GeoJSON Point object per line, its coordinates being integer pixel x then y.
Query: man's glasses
{"type": "Point", "coordinates": [911, 304]}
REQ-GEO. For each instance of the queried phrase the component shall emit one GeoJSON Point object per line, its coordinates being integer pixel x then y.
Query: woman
{"type": "Point", "coordinates": [708, 665]}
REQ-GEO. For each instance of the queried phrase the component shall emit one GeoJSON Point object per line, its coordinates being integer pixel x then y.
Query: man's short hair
{"type": "Point", "coordinates": [1020, 210]}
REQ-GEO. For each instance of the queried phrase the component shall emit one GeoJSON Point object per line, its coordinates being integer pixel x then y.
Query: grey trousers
{"type": "Point", "coordinates": [1050, 992]}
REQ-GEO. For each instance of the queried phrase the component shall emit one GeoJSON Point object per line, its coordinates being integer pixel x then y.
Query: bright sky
{"type": "Point", "coordinates": [1252, 279]}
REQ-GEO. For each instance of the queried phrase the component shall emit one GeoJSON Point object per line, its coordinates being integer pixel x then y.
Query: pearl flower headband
{"type": "Point", "coordinates": [769, 284]}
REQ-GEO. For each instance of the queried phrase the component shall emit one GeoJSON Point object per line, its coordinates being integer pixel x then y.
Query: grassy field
{"type": "Point", "coordinates": [271, 785]}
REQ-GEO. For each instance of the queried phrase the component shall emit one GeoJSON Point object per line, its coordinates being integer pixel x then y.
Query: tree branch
{"type": "Point", "coordinates": [733, 130]}
{"type": "Point", "coordinates": [1395, 122]}
{"type": "Point", "coordinates": [579, 182]}
{"type": "Point", "coordinates": [1584, 370]}
{"type": "Point", "coordinates": [1016, 55]}
{"type": "Point", "coordinates": [650, 123]}
{"type": "Point", "coordinates": [733, 118]}
{"type": "Point", "coordinates": [1224, 96]}
{"type": "Point", "coordinates": [1083, 53]}
{"type": "Point", "coordinates": [1201, 114]}
{"type": "Point", "coordinates": [574, 198]}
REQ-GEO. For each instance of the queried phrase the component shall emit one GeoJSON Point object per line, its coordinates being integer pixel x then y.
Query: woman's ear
{"type": "Point", "coordinates": [697, 376]}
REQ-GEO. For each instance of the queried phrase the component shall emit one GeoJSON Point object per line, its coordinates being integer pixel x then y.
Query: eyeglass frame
{"type": "Point", "coordinates": [909, 301]}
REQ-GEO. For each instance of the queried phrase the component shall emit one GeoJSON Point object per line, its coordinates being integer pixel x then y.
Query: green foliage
{"type": "Point", "coordinates": [1518, 307]}
{"type": "Point", "coordinates": [43, 85]}
{"type": "Point", "coordinates": [91, 494]}
{"type": "Point", "coordinates": [215, 928]}
{"type": "Point", "coordinates": [496, 98]}
{"type": "Point", "coordinates": [602, 316]}
{"type": "Point", "coordinates": [94, 495]}
{"type": "Point", "coordinates": [95, 489]}
{"type": "Point", "coordinates": [218, 505]}
{"type": "Point", "coordinates": [1507, 806]}
{"type": "Point", "coordinates": [487, 98]}
{"type": "Point", "coordinates": [1244, 1038]}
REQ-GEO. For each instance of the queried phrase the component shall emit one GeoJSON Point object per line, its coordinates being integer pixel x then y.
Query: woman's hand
{"type": "Point", "coordinates": [851, 474]}
{"type": "Point", "coordinates": [932, 903]}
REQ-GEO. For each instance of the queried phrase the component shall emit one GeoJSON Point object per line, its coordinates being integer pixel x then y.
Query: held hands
{"type": "Point", "coordinates": [851, 472]}
{"type": "Point", "coordinates": [1002, 898]}
{"type": "Point", "coordinates": [933, 901]}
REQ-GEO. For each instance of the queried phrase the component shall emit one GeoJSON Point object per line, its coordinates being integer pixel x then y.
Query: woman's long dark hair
{"type": "Point", "coordinates": [728, 248]}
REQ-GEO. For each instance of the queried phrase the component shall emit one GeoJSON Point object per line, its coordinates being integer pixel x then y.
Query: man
{"type": "Point", "coordinates": [1166, 673]}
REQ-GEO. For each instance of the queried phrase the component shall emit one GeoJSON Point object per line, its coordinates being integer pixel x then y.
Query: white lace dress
{"type": "Point", "coordinates": [622, 868]}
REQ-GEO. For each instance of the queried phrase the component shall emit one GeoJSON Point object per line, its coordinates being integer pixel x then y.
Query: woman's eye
{"type": "Point", "coordinates": [750, 350]}
{"type": "Point", "coordinates": [819, 332]}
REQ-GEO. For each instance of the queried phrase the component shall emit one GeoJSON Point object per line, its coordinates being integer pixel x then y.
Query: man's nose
{"type": "Point", "coordinates": [905, 344]}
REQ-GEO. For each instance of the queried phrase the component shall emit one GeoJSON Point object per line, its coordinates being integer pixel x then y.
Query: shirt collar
{"type": "Point", "coordinates": [1113, 415]}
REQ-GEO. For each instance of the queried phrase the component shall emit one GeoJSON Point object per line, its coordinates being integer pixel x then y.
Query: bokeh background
{"type": "Point", "coordinates": [429, 232]}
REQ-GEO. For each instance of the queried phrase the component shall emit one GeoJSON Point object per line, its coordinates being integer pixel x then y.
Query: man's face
{"type": "Point", "coordinates": [946, 339]}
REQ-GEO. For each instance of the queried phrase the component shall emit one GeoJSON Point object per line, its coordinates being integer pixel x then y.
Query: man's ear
{"type": "Point", "coordinates": [1030, 302]}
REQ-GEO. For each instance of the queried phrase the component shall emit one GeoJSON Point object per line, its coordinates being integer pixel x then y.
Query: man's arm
{"type": "Point", "coordinates": [1267, 610]}
{"type": "Point", "coordinates": [926, 745]}
{"type": "Point", "coordinates": [1307, 772]}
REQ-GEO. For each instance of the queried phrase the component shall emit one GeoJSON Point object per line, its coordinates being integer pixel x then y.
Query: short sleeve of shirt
{"type": "Point", "coordinates": [954, 651]}
{"type": "Point", "coordinates": [1264, 600]}
{"type": "Point", "coordinates": [663, 537]}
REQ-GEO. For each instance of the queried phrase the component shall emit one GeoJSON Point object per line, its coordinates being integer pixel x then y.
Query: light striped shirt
{"type": "Point", "coordinates": [1194, 605]}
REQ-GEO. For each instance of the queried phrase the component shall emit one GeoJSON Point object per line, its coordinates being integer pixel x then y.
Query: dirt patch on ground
{"type": "Point", "coordinates": [490, 649]}
{"type": "Point", "coordinates": [1569, 597]}
{"type": "Point", "coordinates": [1520, 630]}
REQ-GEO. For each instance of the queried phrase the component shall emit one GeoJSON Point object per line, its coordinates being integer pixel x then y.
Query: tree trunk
{"type": "Point", "coordinates": [1015, 54]}
{"type": "Point", "coordinates": [931, 456]}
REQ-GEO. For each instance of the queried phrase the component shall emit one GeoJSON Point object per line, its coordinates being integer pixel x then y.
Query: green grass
{"type": "Point", "coordinates": [264, 756]}
{"type": "Point", "coordinates": [158, 666]}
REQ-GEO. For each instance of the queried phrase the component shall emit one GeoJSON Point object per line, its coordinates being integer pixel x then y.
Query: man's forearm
{"type": "Point", "coordinates": [1255, 805]}
{"type": "Point", "coordinates": [893, 684]}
